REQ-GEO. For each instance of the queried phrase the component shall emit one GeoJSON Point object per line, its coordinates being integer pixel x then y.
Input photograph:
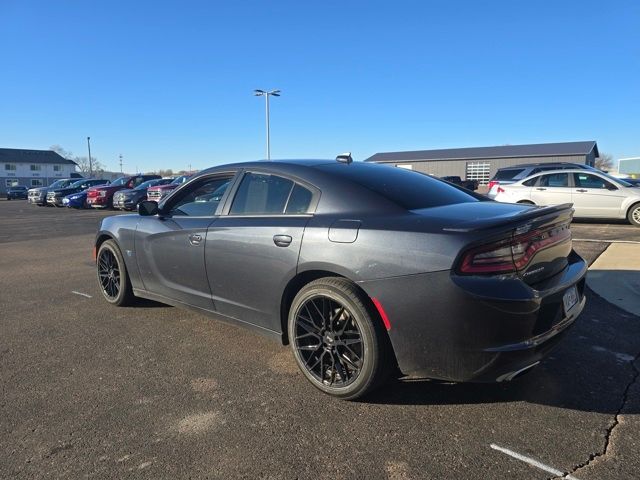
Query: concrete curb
{"type": "Point", "coordinates": [615, 276]}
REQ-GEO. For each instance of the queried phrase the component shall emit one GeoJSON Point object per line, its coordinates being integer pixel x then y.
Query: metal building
{"type": "Point", "coordinates": [481, 163]}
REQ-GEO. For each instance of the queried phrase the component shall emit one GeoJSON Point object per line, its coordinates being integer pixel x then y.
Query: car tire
{"type": "Point", "coordinates": [526, 202]}
{"type": "Point", "coordinates": [338, 339]}
{"type": "Point", "coordinates": [113, 279]}
{"type": "Point", "coordinates": [633, 215]}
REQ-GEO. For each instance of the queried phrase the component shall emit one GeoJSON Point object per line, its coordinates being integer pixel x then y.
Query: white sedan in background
{"type": "Point", "coordinates": [593, 194]}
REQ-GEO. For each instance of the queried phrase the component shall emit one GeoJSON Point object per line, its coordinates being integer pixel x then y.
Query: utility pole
{"type": "Point", "coordinates": [90, 164]}
{"type": "Point", "coordinates": [121, 163]}
{"type": "Point", "coordinates": [266, 95]}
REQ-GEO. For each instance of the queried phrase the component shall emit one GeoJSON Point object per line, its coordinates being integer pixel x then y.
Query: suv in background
{"type": "Point", "coordinates": [102, 196]}
{"type": "Point", "coordinates": [158, 192]}
{"type": "Point", "coordinates": [509, 175]}
{"type": "Point", "coordinates": [17, 191]}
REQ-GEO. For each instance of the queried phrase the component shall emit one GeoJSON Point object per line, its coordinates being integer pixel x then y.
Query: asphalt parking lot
{"type": "Point", "coordinates": [156, 392]}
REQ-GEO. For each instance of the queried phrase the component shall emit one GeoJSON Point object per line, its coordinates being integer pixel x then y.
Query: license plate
{"type": "Point", "coordinates": [570, 298]}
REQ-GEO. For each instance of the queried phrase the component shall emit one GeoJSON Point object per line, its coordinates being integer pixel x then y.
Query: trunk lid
{"type": "Point", "coordinates": [539, 238]}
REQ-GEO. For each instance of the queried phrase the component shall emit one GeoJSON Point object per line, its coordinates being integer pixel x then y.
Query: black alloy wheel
{"type": "Point", "coordinates": [329, 341]}
{"type": "Point", "coordinates": [112, 275]}
{"type": "Point", "coordinates": [338, 342]}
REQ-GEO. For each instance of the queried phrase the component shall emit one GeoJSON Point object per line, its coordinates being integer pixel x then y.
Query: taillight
{"type": "Point", "coordinates": [492, 183]}
{"type": "Point", "coordinates": [509, 255]}
{"type": "Point", "coordinates": [500, 190]}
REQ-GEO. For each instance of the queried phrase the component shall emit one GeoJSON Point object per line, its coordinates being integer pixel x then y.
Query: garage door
{"type": "Point", "coordinates": [478, 171]}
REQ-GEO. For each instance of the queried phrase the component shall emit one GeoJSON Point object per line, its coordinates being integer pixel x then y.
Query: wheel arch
{"type": "Point", "coordinates": [303, 278]}
{"type": "Point", "coordinates": [633, 205]}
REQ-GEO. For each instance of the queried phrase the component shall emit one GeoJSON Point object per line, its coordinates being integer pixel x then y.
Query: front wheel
{"type": "Point", "coordinates": [338, 341]}
{"type": "Point", "coordinates": [112, 275]}
{"type": "Point", "coordinates": [634, 215]}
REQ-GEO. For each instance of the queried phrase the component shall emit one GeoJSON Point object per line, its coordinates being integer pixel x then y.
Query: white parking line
{"type": "Point", "coordinates": [603, 241]}
{"type": "Point", "coordinates": [532, 462]}
{"type": "Point", "coordinates": [81, 294]}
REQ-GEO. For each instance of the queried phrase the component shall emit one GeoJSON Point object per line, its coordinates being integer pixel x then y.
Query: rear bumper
{"type": "Point", "coordinates": [477, 329]}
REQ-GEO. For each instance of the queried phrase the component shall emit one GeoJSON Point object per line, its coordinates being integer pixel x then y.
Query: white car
{"type": "Point", "coordinates": [593, 194]}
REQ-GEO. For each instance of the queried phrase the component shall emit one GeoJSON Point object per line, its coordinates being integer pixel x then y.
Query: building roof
{"type": "Point", "coordinates": [502, 151]}
{"type": "Point", "coordinates": [19, 155]}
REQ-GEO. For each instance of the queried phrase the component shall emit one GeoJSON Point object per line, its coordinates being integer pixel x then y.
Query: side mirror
{"type": "Point", "coordinates": [611, 187]}
{"type": "Point", "coordinates": [148, 208]}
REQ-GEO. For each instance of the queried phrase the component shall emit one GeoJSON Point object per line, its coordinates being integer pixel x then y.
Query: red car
{"type": "Point", "coordinates": [158, 192]}
{"type": "Point", "coordinates": [102, 196]}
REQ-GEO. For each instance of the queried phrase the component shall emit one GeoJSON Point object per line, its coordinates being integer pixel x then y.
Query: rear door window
{"type": "Point", "coordinates": [267, 194]}
{"type": "Point", "coordinates": [555, 180]}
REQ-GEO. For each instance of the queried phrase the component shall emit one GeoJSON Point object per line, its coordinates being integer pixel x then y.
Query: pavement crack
{"type": "Point", "coordinates": [609, 432]}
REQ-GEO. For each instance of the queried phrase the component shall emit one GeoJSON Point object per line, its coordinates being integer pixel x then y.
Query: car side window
{"type": "Point", "coordinates": [586, 180]}
{"type": "Point", "coordinates": [202, 199]}
{"type": "Point", "coordinates": [261, 194]}
{"type": "Point", "coordinates": [531, 182]}
{"type": "Point", "coordinates": [555, 180]}
{"type": "Point", "coordinates": [299, 200]}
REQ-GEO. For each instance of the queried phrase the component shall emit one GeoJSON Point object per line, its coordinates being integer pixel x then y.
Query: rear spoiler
{"type": "Point", "coordinates": [528, 214]}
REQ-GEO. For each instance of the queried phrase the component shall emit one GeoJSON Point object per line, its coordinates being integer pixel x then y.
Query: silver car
{"type": "Point", "coordinates": [593, 194]}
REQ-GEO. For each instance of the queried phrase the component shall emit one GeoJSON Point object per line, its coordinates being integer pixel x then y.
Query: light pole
{"type": "Point", "coordinates": [90, 166]}
{"type": "Point", "coordinates": [266, 95]}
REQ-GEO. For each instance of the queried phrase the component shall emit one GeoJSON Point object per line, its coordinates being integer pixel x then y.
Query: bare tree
{"type": "Point", "coordinates": [83, 165]}
{"type": "Point", "coordinates": [604, 162]}
{"type": "Point", "coordinates": [61, 151]}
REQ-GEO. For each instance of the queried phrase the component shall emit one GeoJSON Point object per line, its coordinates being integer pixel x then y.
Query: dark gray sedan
{"type": "Point", "coordinates": [366, 270]}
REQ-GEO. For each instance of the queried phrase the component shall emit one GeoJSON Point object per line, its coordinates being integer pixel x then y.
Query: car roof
{"type": "Point", "coordinates": [540, 164]}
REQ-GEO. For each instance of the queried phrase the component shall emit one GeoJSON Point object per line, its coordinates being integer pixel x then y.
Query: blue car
{"type": "Point", "coordinates": [75, 200]}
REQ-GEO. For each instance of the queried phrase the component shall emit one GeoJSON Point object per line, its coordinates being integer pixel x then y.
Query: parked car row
{"type": "Point", "coordinates": [125, 193]}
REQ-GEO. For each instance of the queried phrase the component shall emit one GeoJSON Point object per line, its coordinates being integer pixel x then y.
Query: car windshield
{"type": "Point", "coordinates": [620, 181]}
{"type": "Point", "coordinates": [78, 183]}
{"type": "Point", "coordinates": [406, 188]}
{"type": "Point", "coordinates": [147, 184]}
{"type": "Point", "coordinates": [120, 181]}
{"type": "Point", "coordinates": [179, 180]}
{"type": "Point", "coordinates": [59, 184]}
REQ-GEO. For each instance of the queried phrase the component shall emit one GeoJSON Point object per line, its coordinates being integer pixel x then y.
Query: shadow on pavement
{"type": "Point", "coordinates": [589, 371]}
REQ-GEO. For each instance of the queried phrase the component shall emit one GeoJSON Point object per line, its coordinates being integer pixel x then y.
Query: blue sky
{"type": "Point", "coordinates": [168, 84]}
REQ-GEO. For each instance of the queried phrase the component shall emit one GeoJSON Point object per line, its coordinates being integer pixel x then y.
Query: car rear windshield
{"type": "Point", "coordinates": [406, 188]}
{"type": "Point", "coordinates": [508, 174]}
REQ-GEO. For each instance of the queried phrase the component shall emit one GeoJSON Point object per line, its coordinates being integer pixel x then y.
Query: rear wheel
{"type": "Point", "coordinates": [634, 215]}
{"type": "Point", "coordinates": [112, 275]}
{"type": "Point", "coordinates": [526, 202]}
{"type": "Point", "coordinates": [338, 342]}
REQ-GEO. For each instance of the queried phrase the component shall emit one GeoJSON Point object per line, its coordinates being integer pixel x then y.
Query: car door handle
{"type": "Point", "coordinates": [581, 190]}
{"type": "Point", "coordinates": [539, 188]}
{"type": "Point", "coordinates": [282, 240]}
{"type": "Point", "coordinates": [195, 239]}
